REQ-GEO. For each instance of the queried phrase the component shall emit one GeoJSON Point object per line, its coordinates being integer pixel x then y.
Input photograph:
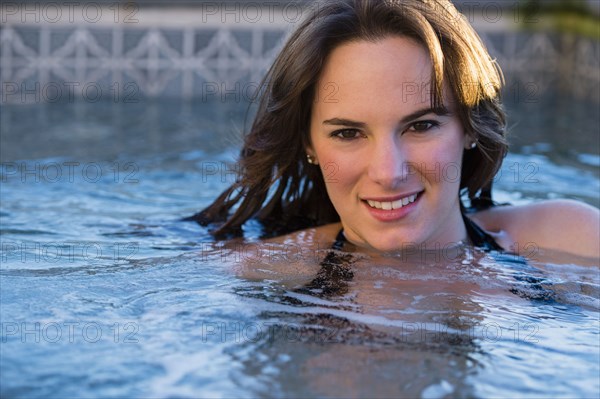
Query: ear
{"type": "Point", "coordinates": [311, 156]}
{"type": "Point", "coordinates": [470, 141]}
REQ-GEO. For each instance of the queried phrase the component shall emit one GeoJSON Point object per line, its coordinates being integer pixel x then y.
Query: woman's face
{"type": "Point", "coordinates": [391, 164]}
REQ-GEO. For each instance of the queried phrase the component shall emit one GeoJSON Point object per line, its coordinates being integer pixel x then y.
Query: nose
{"type": "Point", "coordinates": [388, 165]}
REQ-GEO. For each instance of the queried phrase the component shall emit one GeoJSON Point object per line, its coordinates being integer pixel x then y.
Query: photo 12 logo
{"type": "Point", "coordinates": [69, 172]}
{"type": "Point", "coordinates": [69, 92]}
{"type": "Point", "coordinates": [252, 12]}
{"type": "Point", "coordinates": [71, 332]}
{"type": "Point", "coordinates": [66, 251]}
{"type": "Point", "coordinates": [69, 12]}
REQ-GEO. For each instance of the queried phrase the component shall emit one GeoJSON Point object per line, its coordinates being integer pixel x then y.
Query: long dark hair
{"type": "Point", "coordinates": [277, 186]}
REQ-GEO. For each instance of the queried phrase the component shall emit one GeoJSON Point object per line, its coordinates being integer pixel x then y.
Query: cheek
{"type": "Point", "coordinates": [447, 155]}
{"type": "Point", "coordinates": [443, 164]}
{"type": "Point", "coordinates": [437, 162]}
{"type": "Point", "coordinates": [341, 171]}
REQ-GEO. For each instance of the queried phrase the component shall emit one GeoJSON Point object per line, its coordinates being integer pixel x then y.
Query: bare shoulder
{"type": "Point", "coordinates": [562, 225]}
{"type": "Point", "coordinates": [292, 259]}
{"type": "Point", "coordinates": [318, 236]}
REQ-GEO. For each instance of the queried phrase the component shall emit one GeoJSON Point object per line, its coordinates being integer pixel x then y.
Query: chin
{"type": "Point", "coordinates": [393, 244]}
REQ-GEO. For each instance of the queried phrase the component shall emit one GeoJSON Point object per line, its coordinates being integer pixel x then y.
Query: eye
{"type": "Point", "coordinates": [423, 126]}
{"type": "Point", "coordinates": [345, 134]}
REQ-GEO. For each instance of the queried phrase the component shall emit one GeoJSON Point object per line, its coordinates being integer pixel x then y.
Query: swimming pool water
{"type": "Point", "coordinates": [105, 293]}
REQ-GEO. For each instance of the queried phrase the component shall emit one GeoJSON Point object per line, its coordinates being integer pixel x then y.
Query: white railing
{"type": "Point", "coordinates": [43, 61]}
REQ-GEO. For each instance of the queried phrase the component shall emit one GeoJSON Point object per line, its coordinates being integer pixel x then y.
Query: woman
{"type": "Point", "coordinates": [374, 119]}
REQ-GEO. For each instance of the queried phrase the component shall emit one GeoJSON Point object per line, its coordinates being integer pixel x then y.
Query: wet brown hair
{"type": "Point", "coordinates": [277, 186]}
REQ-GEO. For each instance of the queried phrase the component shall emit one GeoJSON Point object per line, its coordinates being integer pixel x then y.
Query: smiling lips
{"type": "Point", "coordinates": [388, 205]}
{"type": "Point", "coordinates": [387, 211]}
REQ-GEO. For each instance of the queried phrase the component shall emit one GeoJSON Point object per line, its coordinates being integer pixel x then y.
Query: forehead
{"type": "Point", "coordinates": [391, 70]}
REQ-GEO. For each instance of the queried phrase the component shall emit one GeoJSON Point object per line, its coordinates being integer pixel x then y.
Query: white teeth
{"type": "Point", "coordinates": [386, 206]}
{"type": "Point", "coordinates": [397, 204]}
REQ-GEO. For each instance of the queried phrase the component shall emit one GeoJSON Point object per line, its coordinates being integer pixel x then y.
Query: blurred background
{"type": "Point", "coordinates": [100, 79]}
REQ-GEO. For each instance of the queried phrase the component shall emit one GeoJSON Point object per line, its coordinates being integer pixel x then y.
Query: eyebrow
{"type": "Point", "coordinates": [441, 111]}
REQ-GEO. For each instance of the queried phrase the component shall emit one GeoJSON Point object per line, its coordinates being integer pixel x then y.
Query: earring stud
{"type": "Point", "coordinates": [473, 144]}
{"type": "Point", "coordinates": [311, 160]}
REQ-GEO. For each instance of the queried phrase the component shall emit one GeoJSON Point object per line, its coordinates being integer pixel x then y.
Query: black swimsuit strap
{"type": "Point", "coordinates": [340, 239]}
{"type": "Point", "coordinates": [479, 238]}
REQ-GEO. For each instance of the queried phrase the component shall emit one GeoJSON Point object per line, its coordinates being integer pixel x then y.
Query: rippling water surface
{"type": "Point", "coordinates": [105, 293]}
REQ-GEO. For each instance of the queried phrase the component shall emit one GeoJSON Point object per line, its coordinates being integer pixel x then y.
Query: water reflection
{"type": "Point", "coordinates": [366, 327]}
